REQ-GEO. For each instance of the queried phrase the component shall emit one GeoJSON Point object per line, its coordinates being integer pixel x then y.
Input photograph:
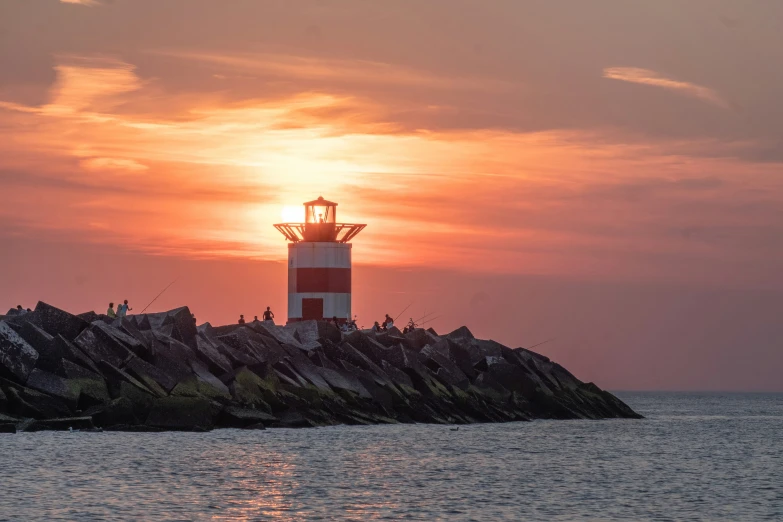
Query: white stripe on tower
{"type": "Point", "coordinates": [320, 255]}
{"type": "Point", "coordinates": [320, 273]}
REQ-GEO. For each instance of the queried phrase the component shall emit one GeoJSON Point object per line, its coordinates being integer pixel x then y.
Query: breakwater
{"type": "Point", "coordinates": [160, 371]}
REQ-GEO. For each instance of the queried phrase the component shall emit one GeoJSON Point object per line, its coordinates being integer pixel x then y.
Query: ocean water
{"type": "Point", "coordinates": [696, 457]}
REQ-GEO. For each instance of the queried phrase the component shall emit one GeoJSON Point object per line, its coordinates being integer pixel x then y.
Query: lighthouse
{"type": "Point", "coordinates": [319, 263]}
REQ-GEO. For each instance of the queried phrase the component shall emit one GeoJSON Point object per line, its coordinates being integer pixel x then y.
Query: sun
{"type": "Point", "coordinates": [292, 214]}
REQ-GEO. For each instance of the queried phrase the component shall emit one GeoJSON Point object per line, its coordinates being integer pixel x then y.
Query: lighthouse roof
{"type": "Point", "coordinates": [322, 202]}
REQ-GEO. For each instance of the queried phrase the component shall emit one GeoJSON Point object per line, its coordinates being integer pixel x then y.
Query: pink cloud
{"type": "Point", "coordinates": [81, 2]}
{"type": "Point", "coordinates": [649, 77]}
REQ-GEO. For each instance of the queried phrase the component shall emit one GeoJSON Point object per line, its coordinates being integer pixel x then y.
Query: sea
{"type": "Point", "coordinates": [696, 456]}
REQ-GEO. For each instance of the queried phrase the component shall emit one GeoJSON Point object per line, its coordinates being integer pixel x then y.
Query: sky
{"type": "Point", "coordinates": [606, 175]}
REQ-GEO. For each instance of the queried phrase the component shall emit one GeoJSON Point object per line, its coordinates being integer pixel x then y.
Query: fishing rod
{"type": "Point", "coordinates": [423, 317]}
{"type": "Point", "coordinates": [160, 294]}
{"type": "Point", "coordinates": [430, 320]}
{"type": "Point", "coordinates": [403, 311]}
{"type": "Point", "coordinates": [539, 344]}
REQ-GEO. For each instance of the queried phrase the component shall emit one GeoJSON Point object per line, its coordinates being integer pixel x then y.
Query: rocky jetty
{"type": "Point", "coordinates": [160, 371]}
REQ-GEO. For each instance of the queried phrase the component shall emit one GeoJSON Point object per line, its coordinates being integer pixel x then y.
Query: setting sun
{"type": "Point", "coordinates": [292, 214]}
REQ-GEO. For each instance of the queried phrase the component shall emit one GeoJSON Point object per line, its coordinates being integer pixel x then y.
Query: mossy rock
{"type": "Point", "coordinates": [90, 391]}
{"type": "Point", "coordinates": [118, 412]}
{"type": "Point", "coordinates": [306, 418]}
{"type": "Point", "coordinates": [152, 384]}
{"type": "Point", "coordinates": [411, 393]}
{"type": "Point", "coordinates": [140, 400]}
{"type": "Point", "coordinates": [349, 397]}
{"type": "Point", "coordinates": [429, 386]}
{"type": "Point", "coordinates": [183, 413]}
{"type": "Point", "coordinates": [269, 383]}
{"type": "Point", "coordinates": [251, 390]}
{"type": "Point", "coordinates": [489, 394]}
{"type": "Point", "coordinates": [236, 417]}
{"type": "Point", "coordinates": [313, 395]}
{"type": "Point", "coordinates": [195, 387]}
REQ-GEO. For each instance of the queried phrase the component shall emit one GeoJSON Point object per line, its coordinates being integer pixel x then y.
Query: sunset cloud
{"type": "Point", "coordinates": [351, 72]}
{"type": "Point", "coordinates": [86, 86]}
{"type": "Point", "coordinates": [218, 172]}
{"type": "Point", "coordinates": [113, 164]}
{"type": "Point", "coordinates": [649, 77]}
{"type": "Point", "coordinates": [81, 2]}
{"type": "Point", "coordinates": [218, 176]}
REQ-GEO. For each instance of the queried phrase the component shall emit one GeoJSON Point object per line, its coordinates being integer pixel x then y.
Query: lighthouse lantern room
{"type": "Point", "coordinates": [319, 263]}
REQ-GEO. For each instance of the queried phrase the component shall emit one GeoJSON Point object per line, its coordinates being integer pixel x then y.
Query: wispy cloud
{"type": "Point", "coordinates": [81, 2]}
{"type": "Point", "coordinates": [85, 84]}
{"type": "Point", "coordinates": [649, 77]}
{"type": "Point", "coordinates": [333, 70]}
{"type": "Point", "coordinates": [101, 164]}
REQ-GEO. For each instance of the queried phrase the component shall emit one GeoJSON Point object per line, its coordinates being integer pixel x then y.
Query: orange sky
{"type": "Point", "coordinates": [503, 150]}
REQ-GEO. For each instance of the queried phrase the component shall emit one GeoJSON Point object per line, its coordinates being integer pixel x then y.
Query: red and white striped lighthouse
{"type": "Point", "coordinates": [319, 264]}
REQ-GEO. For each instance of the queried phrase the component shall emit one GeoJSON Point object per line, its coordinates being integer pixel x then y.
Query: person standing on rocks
{"type": "Point", "coordinates": [20, 310]}
{"type": "Point", "coordinates": [241, 319]}
{"type": "Point", "coordinates": [110, 312]}
{"type": "Point", "coordinates": [122, 310]}
{"type": "Point", "coordinates": [388, 323]}
{"type": "Point", "coordinates": [268, 315]}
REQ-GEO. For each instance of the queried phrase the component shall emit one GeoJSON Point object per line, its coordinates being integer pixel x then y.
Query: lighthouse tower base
{"type": "Point", "coordinates": [319, 281]}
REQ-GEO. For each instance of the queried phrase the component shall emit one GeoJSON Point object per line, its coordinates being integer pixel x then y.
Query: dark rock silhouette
{"type": "Point", "coordinates": [159, 371]}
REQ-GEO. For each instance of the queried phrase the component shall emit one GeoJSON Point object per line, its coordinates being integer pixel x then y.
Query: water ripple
{"type": "Point", "coordinates": [696, 457]}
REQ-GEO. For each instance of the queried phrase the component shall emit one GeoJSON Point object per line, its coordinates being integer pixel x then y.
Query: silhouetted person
{"type": "Point", "coordinates": [20, 310]}
{"type": "Point", "coordinates": [110, 312]}
{"type": "Point", "coordinates": [255, 318]}
{"type": "Point", "coordinates": [376, 327]}
{"type": "Point", "coordinates": [388, 323]}
{"type": "Point", "coordinates": [28, 311]}
{"type": "Point", "coordinates": [241, 319]}
{"type": "Point", "coordinates": [122, 310]}
{"type": "Point", "coordinates": [268, 315]}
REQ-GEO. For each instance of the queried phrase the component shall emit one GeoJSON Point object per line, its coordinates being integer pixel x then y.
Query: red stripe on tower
{"type": "Point", "coordinates": [336, 280]}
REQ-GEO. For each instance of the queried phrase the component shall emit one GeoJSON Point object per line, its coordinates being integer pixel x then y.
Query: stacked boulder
{"type": "Point", "coordinates": [161, 372]}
